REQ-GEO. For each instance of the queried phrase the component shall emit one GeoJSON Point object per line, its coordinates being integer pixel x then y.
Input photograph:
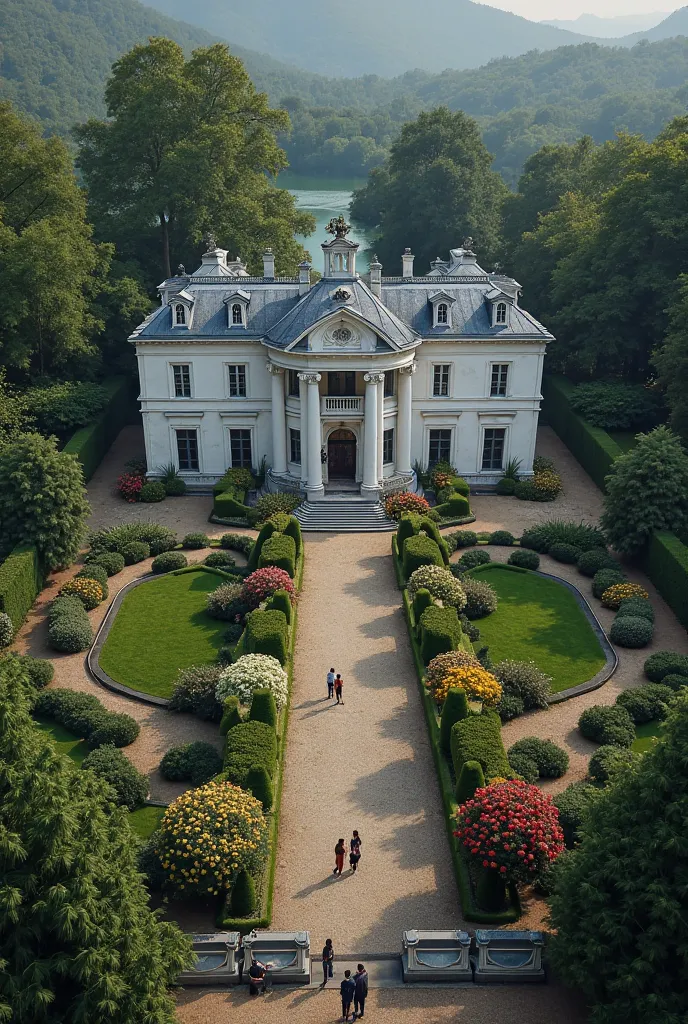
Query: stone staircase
{"type": "Point", "coordinates": [342, 516]}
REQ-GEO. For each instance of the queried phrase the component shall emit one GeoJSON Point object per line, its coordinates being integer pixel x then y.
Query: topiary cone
{"type": "Point", "coordinates": [422, 599]}
{"type": "Point", "coordinates": [243, 895]}
{"type": "Point", "coordinates": [231, 715]}
{"type": "Point", "coordinates": [470, 779]}
{"type": "Point", "coordinates": [263, 708]}
{"type": "Point", "coordinates": [454, 709]}
{"type": "Point", "coordinates": [259, 784]}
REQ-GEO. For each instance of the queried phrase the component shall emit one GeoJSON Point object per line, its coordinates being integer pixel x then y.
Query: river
{"type": "Point", "coordinates": [324, 201]}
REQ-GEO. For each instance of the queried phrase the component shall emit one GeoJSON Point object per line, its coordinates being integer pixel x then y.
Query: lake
{"type": "Point", "coordinates": [326, 199]}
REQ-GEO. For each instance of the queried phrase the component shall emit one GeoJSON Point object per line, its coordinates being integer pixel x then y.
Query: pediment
{"type": "Point", "coordinates": [182, 296]}
{"type": "Point", "coordinates": [342, 331]}
{"type": "Point", "coordinates": [238, 296]}
{"type": "Point", "coordinates": [441, 296]}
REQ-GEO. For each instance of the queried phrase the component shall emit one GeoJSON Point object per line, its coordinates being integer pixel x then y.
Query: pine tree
{"type": "Point", "coordinates": [78, 941]}
{"type": "Point", "coordinates": [619, 908]}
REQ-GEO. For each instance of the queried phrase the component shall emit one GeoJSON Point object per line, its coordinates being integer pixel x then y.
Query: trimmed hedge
{"type": "Point", "coordinates": [524, 559]}
{"type": "Point", "coordinates": [69, 627]}
{"type": "Point", "coordinates": [168, 561]}
{"type": "Point", "coordinates": [411, 524]}
{"type": "Point", "coordinates": [280, 551]}
{"type": "Point", "coordinates": [566, 553]}
{"type": "Point", "coordinates": [550, 760]}
{"type": "Point", "coordinates": [631, 631]}
{"type": "Point", "coordinates": [664, 663]}
{"type": "Point", "coordinates": [21, 581]}
{"type": "Point", "coordinates": [479, 738]}
{"type": "Point", "coordinates": [266, 531]}
{"type": "Point", "coordinates": [129, 784]}
{"type": "Point", "coordinates": [231, 715]}
{"type": "Point", "coordinates": [281, 602]}
{"type": "Point", "coordinates": [593, 448]}
{"type": "Point", "coordinates": [263, 708]}
{"type": "Point", "coordinates": [267, 633]}
{"type": "Point", "coordinates": [592, 561]}
{"type": "Point", "coordinates": [229, 505]}
{"type": "Point", "coordinates": [440, 631]}
{"type": "Point", "coordinates": [470, 779]}
{"type": "Point", "coordinates": [250, 745]}
{"type": "Point", "coordinates": [91, 443]}
{"type": "Point", "coordinates": [259, 784]}
{"type": "Point", "coordinates": [572, 804]}
{"type": "Point", "coordinates": [39, 670]}
{"type": "Point", "coordinates": [422, 599]}
{"type": "Point", "coordinates": [608, 725]}
{"type": "Point", "coordinates": [606, 578]}
{"type": "Point", "coordinates": [419, 550]}
{"type": "Point", "coordinates": [666, 563]}
{"type": "Point", "coordinates": [636, 606]}
{"type": "Point", "coordinates": [84, 715]}
{"type": "Point", "coordinates": [454, 709]}
{"type": "Point", "coordinates": [111, 561]}
{"type": "Point", "coordinates": [455, 507]}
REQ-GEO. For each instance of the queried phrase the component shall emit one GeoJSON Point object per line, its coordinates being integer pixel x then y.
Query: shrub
{"type": "Point", "coordinates": [666, 563]}
{"type": "Point", "coordinates": [263, 583]}
{"type": "Point", "coordinates": [647, 703]}
{"type": "Point", "coordinates": [89, 592]}
{"type": "Point", "coordinates": [614, 595]}
{"type": "Point", "coordinates": [135, 552]}
{"type": "Point", "coordinates": [258, 783]}
{"type": "Point", "coordinates": [418, 551]}
{"type": "Point", "coordinates": [111, 561]}
{"type": "Point", "coordinates": [231, 715]}
{"type": "Point", "coordinates": [61, 408]}
{"type": "Point", "coordinates": [194, 692]}
{"type": "Point", "coordinates": [243, 895]}
{"type": "Point", "coordinates": [607, 725]}
{"type": "Point", "coordinates": [250, 745]}
{"type": "Point", "coordinates": [469, 628]}
{"type": "Point", "coordinates": [546, 486]}
{"type": "Point", "coordinates": [525, 680]}
{"type": "Point", "coordinates": [441, 665]}
{"type": "Point", "coordinates": [461, 539]}
{"type": "Point", "coordinates": [222, 602]}
{"type": "Point", "coordinates": [422, 599]}
{"type": "Point", "coordinates": [664, 663]}
{"type": "Point", "coordinates": [152, 492]}
{"type": "Point", "coordinates": [281, 601]}
{"type": "Point", "coordinates": [530, 817]}
{"type": "Point", "coordinates": [524, 559]}
{"type": "Point", "coordinates": [39, 670]}
{"type": "Point", "coordinates": [440, 583]}
{"type": "Point", "coordinates": [97, 573]}
{"type": "Point", "coordinates": [266, 633]}
{"type": "Point", "coordinates": [279, 551]}
{"type": "Point", "coordinates": [219, 816]}
{"type": "Point", "coordinates": [440, 631]}
{"type": "Point", "coordinates": [455, 507]}
{"type": "Point", "coordinates": [608, 760]}
{"type": "Point", "coordinates": [69, 606]}
{"type": "Point", "coordinates": [129, 486]}
{"type": "Point", "coordinates": [195, 541]}
{"type": "Point", "coordinates": [69, 629]}
{"type": "Point", "coordinates": [239, 477]}
{"type": "Point", "coordinates": [616, 405]}
{"type": "Point", "coordinates": [269, 504]}
{"type": "Point", "coordinates": [473, 558]}
{"type": "Point", "coordinates": [118, 729]}
{"type": "Point", "coordinates": [174, 487]}
{"type": "Point", "coordinates": [562, 531]}
{"type": "Point", "coordinates": [129, 784]}
{"type": "Point", "coordinates": [525, 490]}
{"type": "Point", "coordinates": [263, 708]}
{"type": "Point", "coordinates": [266, 531]}
{"type": "Point", "coordinates": [470, 779]}
{"type": "Point", "coordinates": [158, 538]}
{"type": "Point", "coordinates": [524, 766]}
{"type": "Point", "coordinates": [552, 761]}
{"type": "Point", "coordinates": [631, 631]}
{"type": "Point", "coordinates": [454, 708]}
{"type": "Point", "coordinates": [196, 761]}
{"type": "Point", "coordinates": [572, 804]}
{"type": "Point", "coordinates": [509, 707]}
{"type": "Point", "coordinates": [404, 501]}
{"type": "Point", "coordinates": [477, 684]}
{"type": "Point", "coordinates": [21, 580]}
{"type": "Point", "coordinates": [636, 606]}
{"type": "Point", "coordinates": [168, 561]}
{"type": "Point", "coordinates": [604, 579]}
{"type": "Point", "coordinates": [502, 538]}
{"type": "Point", "coordinates": [479, 738]}
{"type": "Point", "coordinates": [253, 672]}
{"type": "Point", "coordinates": [219, 560]}
{"type": "Point", "coordinates": [590, 562]}
{"type": "Point", "coordinates": [85, 716]}
{"type": "Point", "coordinates": [567, 553]}
{"type": "Point", "coordinates": [481, 598]}
{"type": "Point", "coordinates": [674, 681]}
{"type": "Point", "coordinates": [506, 486]}
{"type": "Point", "coordinates": [228, 506]}
{"type": "Point", "coordinates": [6, 630]}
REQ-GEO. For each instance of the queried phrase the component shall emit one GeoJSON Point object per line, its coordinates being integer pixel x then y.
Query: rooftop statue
{"type": "Point", "coordinates": [209, 241]}
{"type": "Point", "coordinates": [338, 227]}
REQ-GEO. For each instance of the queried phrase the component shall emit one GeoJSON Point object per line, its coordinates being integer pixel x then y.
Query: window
{"type": "Point", "coordinates": [341, 383]}
{"type": "Point", "coordinates": [388, 446]}
{"type": "Point", "coordinates": [440, 380]}
{"type": "Point", "coordinates": [440, 446]}
{"type": "Point", "coordinates": [237, 381]}
{"type": "Point", "coordinates": [498, 382]}
{"type": "Point", "coordinates": [182, 380]}
{"type": "Point", "coordinates": [500, 315]}
{"type": "Point", "coordinates": [389, 383]}
{"type": "Point", "coordinates": [295, 445]}
{"type": "Point", "coordinates": [187, 450]}
{"type": "Point", "coordinates": [179, 314]}
{"type": "Point", "coordinates": [294, 383]}
{"type": "Point", "coordinates": [443, 313]}
{"type": "Point", "coordinates": [493, 447]}
{"type": "Point", "coordinates": [237, 314]}
{"type": "Point", "coordinates": [240, 448]}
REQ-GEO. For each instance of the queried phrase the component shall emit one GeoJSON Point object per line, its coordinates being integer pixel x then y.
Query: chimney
{"type": "Point", "coordinates": [407, 263]}
{"type": "Point", "coordinates": [268, 263]}
{"type": "Point", "coordinates": [376, 277]}
{"type": "Point", "coordinates": [304, 276]}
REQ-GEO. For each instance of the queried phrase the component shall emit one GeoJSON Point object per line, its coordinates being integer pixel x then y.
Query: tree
{"type": "Point", "coordinates": [647, 490]}
{"type": "Point", "coordinates": [15, 414]}
{"type": "Point", "coordinates": [77, 938]}
{"type": "Point", "coordinates": [436, 188]}
{"type": "Point", "coordinates": [671, 361]}
{"type": "Point", "coordinates": [42, 499]}
{"type": "Point", "coordinates": [188, 148]}
{"type": "Point", "coordinates": [618, 911]}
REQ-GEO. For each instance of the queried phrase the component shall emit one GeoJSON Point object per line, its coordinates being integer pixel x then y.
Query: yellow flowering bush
{"type": "Point", "coordinates": [89, 592]}
{"type": "Point", "coordinates": [210, 834]}
{"type": "Point", "coordinates": [441, 664]}
{"type": "Point", "coordinates": [613, 596]}
{"type": "Point", "coordinates": [478, 683]}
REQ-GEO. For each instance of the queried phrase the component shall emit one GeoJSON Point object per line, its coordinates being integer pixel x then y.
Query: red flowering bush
{"type": "Point", "coordinates": [263, 583]}
{"type": "Point", "coordinates": [512, 827]}
{"type": "Point", "coordinates": [405, 502]}
{"type": "Point", "coordinates": [129, 486]}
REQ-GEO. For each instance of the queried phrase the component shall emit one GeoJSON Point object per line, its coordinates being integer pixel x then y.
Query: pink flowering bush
{"type": "Point", "coordinates": [511, 827]}
{"type": "Point", "coordinates": [263, 583]}
{"type": "Point", "coordinates": [396, 504]}
{"type": "Point", "coordinates": [129, 486]}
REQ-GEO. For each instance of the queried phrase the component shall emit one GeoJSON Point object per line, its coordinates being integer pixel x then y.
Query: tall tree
{"type": "Point", "coordinates": [671, 360]}
{"type": "Point", "coordinates": [436, 188]}
{"type": "Point", "coordinates": [78, 941]}
{"type": "Point", "coordinates": [620, 928]}
{"type": "Point", "coordinates": [188, 148]}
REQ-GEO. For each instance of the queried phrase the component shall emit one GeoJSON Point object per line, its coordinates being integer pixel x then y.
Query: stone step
{"type": "Point", "coordinates": [344, 517]}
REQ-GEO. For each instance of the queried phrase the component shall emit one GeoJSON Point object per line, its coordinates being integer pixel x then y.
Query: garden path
{"type": "Point", "coordinates": [366, 765]}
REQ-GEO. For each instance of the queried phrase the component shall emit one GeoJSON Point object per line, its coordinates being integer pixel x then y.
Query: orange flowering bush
{"type": "Point", "coordinates": [478, 683]}
{"type": "Point", "coordinates": [208, 835]}
{"type": "Point", "coordinates": [614, 595]}
{"type": "Point", "coordinates": [89, 592]}
{"type": "Point", "coordinates": [442, 664]}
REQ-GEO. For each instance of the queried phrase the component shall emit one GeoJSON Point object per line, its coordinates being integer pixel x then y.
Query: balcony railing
{"type": "Point", "coordinates": [341, 403]}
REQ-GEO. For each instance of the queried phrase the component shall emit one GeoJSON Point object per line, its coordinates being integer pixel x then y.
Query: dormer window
{"type": "Point", "coordinates": [441, 303]}
{"type": "Point", "coordinates": [500, 313]}
{"type": "Point", "coordinates": [181, 307]}
{"type": "Point", "coordinates": [237, 308]}
{"type": "Point", "coordinates": [442, 313]}
{"type": "Point", "coordinates": [237, 314]}
{"type": "Point", "coordinates": [180, 315]}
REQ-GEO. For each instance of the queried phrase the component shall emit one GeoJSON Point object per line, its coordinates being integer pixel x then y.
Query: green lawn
{"type": "Point", "coordinates": [145, 821]}
{"type": "Point", "coordinates": [539, 620]}
{"type": "Point", "coordinates": [65, 741]}
{"type": "Point", "coordinates": [646, 735]}
{"type": "Point", "coordinates": [162, 626]}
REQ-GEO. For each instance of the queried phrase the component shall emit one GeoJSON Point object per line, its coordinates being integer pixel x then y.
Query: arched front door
{"type": "Point", "coordinates": [341, 455]}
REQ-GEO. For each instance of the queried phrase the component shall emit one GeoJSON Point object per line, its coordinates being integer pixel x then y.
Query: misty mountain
{"type": "Point", "coordinates": [675, 25]}
{"type": "Point", "coordinates": [609, 28]}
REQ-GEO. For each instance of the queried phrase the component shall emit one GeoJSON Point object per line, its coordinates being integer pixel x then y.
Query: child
{"type": "Point", "coordinates": [339, 854]}
{"type": "Point", "coordinates": [338, 683]}
{"type": "Point", "coordinates": [330, 684]}
{"type": "Point", "coordinates": [355, 850]}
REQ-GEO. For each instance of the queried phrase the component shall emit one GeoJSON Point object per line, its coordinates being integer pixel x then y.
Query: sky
{"type": "Point", "coordinates": [539, 10]}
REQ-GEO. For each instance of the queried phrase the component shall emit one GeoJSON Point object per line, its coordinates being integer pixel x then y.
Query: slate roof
{"type": "Point", "coordinates": [268, 304]}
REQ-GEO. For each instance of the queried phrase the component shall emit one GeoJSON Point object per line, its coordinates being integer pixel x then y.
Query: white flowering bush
{"type": "Point", "coordinates": [441, 584]}
{"type": "Point", "coordinates": [253, 672]}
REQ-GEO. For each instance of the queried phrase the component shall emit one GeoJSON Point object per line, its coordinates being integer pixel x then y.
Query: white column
{"type": "Point", "coordinates": [303, 426]}
{"type": "Point", "coordinates": [370, 486]}
{"type": "Point", "coordinates": [403, 438]}
{"type": "Point", "coordinates": [315, 489]}
{"type": "Point", "coordinates": [279, 427]}
{"type": "Point", "coordinates": [380, 424]}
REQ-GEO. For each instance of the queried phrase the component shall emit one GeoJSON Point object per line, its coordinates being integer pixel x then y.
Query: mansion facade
{"type": "Point", "coordinates": [344, 384]}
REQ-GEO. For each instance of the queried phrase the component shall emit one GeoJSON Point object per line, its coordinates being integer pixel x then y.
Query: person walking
{"type": "Point", "coordinates": [339, 855]}
{"type": "Point", "coordinates": [257, 978]}
{"type": "Point", "coordinates": [347, 990]}
{"type": "Point", "coordinates": [361, 991]}
{"type": "Point", "coordinates": [338, 684]}
{"type": "Point", "coordinates": [330, 684]}
{"type": "Point", "coordinates": [355, 851]}
{"type": "Point", "coordinates": [327, 961]}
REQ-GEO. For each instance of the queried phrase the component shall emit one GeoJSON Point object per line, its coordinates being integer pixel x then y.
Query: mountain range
{"type": "Point", "coordinates": [609, 28]}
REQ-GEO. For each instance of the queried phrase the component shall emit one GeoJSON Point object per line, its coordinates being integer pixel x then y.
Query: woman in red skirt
{"type": "Point", "coordinates": [339, 855]}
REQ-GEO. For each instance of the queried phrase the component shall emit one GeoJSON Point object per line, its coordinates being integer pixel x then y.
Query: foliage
{"type": "Point", "coordinates": [477, 684]}
{"type": "Point", "coordinates": [566, 553]}
{"type": "Point", "coordinates": [473, 558]}
{"type": "Point", "coordinates": [675, 681]}
{"type": "Point", "coordinates": [89, 592]}
{"type": "Point", "coordinates": [111, 561]}
{"type": "Point", "coordinates": [243, 895]}
{"type": "Point", "coordinates": [60, 408]}
{"type": "Point", "coordinates": [279, 551]}
{"type": "Point", "coordinates": [607, 724]}
{"type": "Point", "coordinates": [607, 760]}
{"type": "Point", "coordinates": [259, 783]}
{"type": "Point", "coordinates": [209, 834]}
{"type": "Point", "coordinates": [420, 550]}
{"type": "Point", "coordinates": [250, 745]}
{"type": "Point", "coordinates": [636, 606]}
{"type": "Point", "coordinates": [231, 715]}
{"type": "Point", "coordinates": [404, 501]}
{"type": "Point", "coordinates": [461, 539]}
{"type": "Point", "coordinates": [440, 631]}
{"type": "Point", "coordinates": [573, 803]}
{"type": "Point", "coordinates": [152, 492]}
{"type": "Point", "coordinates": [168, 561]}
{"type": "Point", "coordinates": [470, 779]}
{"type": "Point", "coordinates": [194, 541]}
{"type": "Point", "coordinates": [671, 359]}
{"type": "Point", "coordinates": [226, 602]}
{"type": "Point", "coordinates": [267, 633]}
{"type": "Point", "coordinates": [198, 762]}
{"type": "Point", "coordinates": [551, 761]}
{"type": "Point", "coordinates": [524, 679]}
{"type": "Point", "coordinates": [617, 405]}
{"type": "Point", "coordinates": [509, 707]}
{"type": "Point", "coordinates": [561, 531]}
{"type": "Point", "coordinates": [647, 703]}
{"type": "Point", "coordinates": [253, 672]}
{"type": "Point", "coordinates": [42, 499]}
{"type": "Point", "coordinates": [174, 486]}
{"type": "Point", "coordinates": [270, 504]}
{"type": "Point", "coordinates": [481, 598]}
{"type": "Point", "coordinates": [21, 580]}
{"type": "Point", "coordinates": [84, 715]}
{"type": "Point", "coordinates": [528, 817]}
{"type": "Point", "coordinates": [524, 766]}
{"type": "Point", "coordinates": [506, 486]}
{"type": "Point", "coordinates": [263, 583]}
{"type": "Point", "coordinates": [664, 663]}
{"type": "Point", "coordinates": [469, 629]}
{"type": "Point", "coordinates": [455, 506]}
{"type": "Point", "coordinates": [69, 628]}
{"type": "Point", "coordinates": [6, 630]}
{"type": "Point", "coordinates": [604, 579]}
{"type": "Point", "coordinates": [614, 595]}
{"type": "Point", "coordinates": [478, 738]}
{"type": "Point", "coordinates": [657, 468]}
{"type": "Point", "coordinates": [194, 692]}
{"type": "Point", "coordinates": [110, 764]}
{"type": "Point", "coordinates": [524, 559]}
{"type": "Point", "coordinates": [543, 486]}
{"type": "Point", "coordinates": [502, 538]}
{"type": "Point", "coordinates": [631, 631]}
{"type": "Point", "coordinates": [39, 670]}
{"type": "Point", "coordinates": [442, 664]}
{"type": "Point", "coordinates": [237, 542]}
{"type": "Point", "coordinates": [454, 708]}
{"type": "Point", "coordinates": [129, 485]}
{"type": "Point", "coordinates": [97, 573]}
{"type": "Point", "coordinates": [440, 583]}
{"type": "Point", "coordinates": [592, 561]}
{"type": "Point", "coordinates": [134, 552]}
{"type": "Point", "coordinates": [158, 538]}
{"type": "Point", "coordinates": [263, 707]}
{"type": "Point", "coordinates": [219, 560]}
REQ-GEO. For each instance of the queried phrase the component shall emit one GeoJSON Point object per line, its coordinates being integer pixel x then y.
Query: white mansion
{"type": "Point", "coordinates": [343, 384]}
